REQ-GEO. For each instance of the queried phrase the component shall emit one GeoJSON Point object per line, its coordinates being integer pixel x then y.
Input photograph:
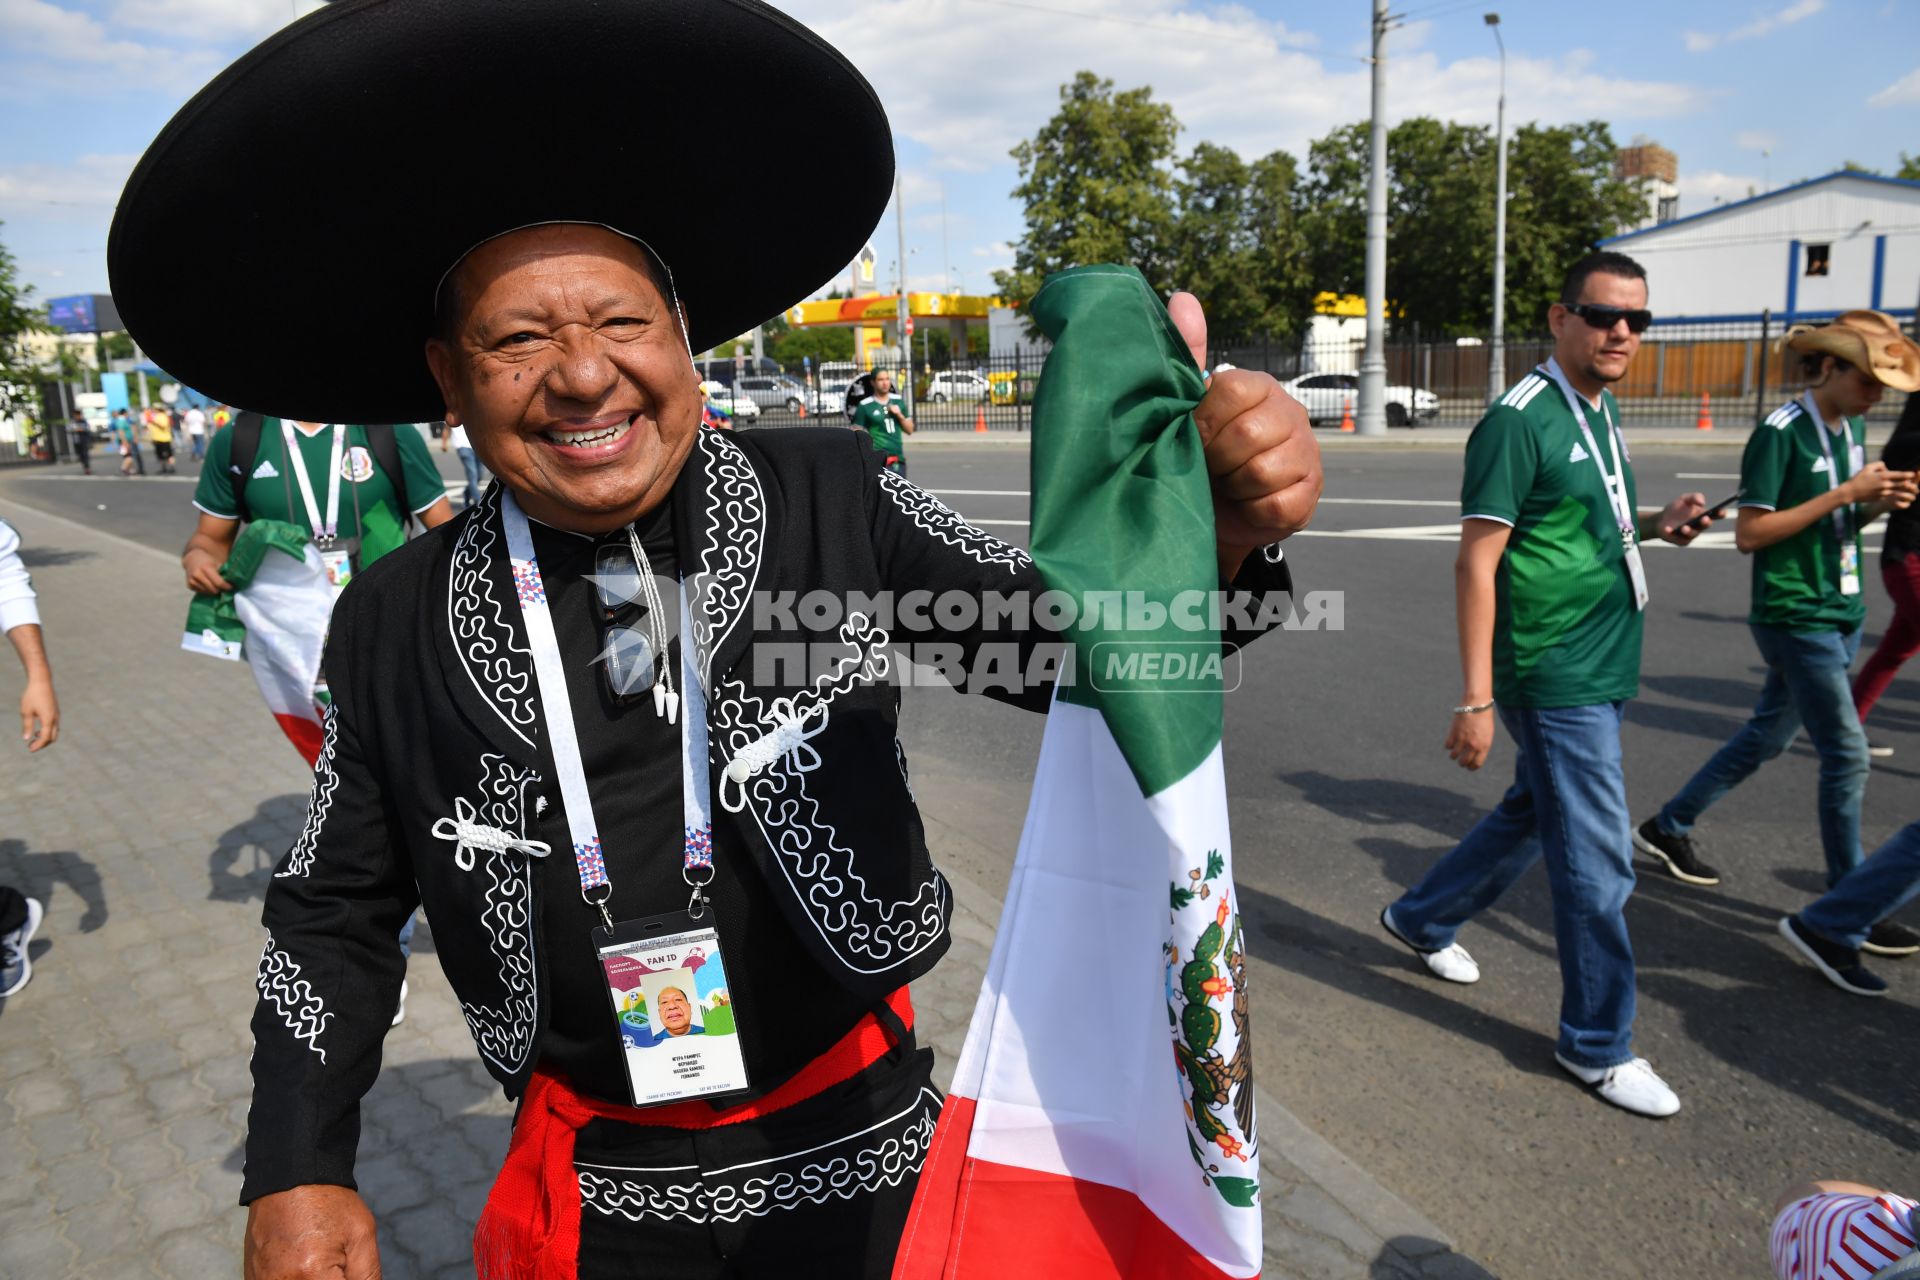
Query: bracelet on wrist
{"type": "Point", "coordinates": [1473, 709]}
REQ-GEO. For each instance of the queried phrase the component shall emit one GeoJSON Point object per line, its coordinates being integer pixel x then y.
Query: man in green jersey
{"type": "Point", "coordinates": [1806, 492]}
{"type": "Point", "coordinates": [1550, 591]}
{"type": "Point", "coordinates": [302, 474]}
{"type": "Point", "coordinates": [883, 421]}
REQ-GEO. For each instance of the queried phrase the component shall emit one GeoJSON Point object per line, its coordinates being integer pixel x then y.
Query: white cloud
{"type": "Point", "coordinates": [1755, 140]}
{"type": "Point", "coordinates": [84, 191]}
{"type": "Point", "coordinates": [968, 79]}
{"type": "Point", "coordinates": [1902, 92]}
{"type": "Point", "coordinates": [999, 251]}
{"type": "Point", "coordinates": [56, 46]}
{"type": "Point", "coordinates": [208, 19]}
{"type": "Point", "coordinates": [1703, 188]}
{"type": "Point", "coordinates": [1767, 24]}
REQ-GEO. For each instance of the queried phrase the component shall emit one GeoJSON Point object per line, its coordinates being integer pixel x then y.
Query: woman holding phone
{"type": "Point", "coordinates": [1900, 571]}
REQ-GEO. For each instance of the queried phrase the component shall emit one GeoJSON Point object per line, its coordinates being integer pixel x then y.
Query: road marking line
{"type": "Point", "coordinates": [1706, 475]}
{"type": "Point", "coordinates": [984, 493]}
{"type": "Point", "coordinates": [1021, 523]}
{"type": "Point", "coordinates": [1391, 502]}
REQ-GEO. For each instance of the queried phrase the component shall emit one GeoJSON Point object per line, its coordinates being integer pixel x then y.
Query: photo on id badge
{"type": "Point", "coordinates": [675, 1018]}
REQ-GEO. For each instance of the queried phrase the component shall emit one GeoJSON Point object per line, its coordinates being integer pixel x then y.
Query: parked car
{"type": "Point", "coordinates": [827, 398]}
{"type": "Point", "coordinates": [958, 384]}
{"type": "Point", "coordinates": [1326, 396]}
{"type": "Point", "coordinates": [737, 403]}
{"type": "Point", "coordinates": [781, 390]}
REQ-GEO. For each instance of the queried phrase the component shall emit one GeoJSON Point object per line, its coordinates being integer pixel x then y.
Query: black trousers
{"type": "Point", "coordinates": [13, 908]}
{"type": "Point", "coordinates": [820, 1189]}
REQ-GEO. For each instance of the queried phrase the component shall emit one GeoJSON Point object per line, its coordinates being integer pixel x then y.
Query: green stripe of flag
{"type": "Point", "coordinates": [1121, 502]}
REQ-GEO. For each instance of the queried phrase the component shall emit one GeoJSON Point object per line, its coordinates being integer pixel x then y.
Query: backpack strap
{"type": "Point", "coordinates": [386, 455]}
{"type": "Point", "coordinates": [243, 450]}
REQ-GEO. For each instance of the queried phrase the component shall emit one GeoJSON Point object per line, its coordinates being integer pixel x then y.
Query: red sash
{"type": "Point", "coordinates": [530, 1229]}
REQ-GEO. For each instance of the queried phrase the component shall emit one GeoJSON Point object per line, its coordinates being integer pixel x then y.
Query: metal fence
{"type": "Point", "coordinates": [1737, 367]}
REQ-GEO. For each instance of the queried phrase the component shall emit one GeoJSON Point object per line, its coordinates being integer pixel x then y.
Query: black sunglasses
{"type": "Point", "coordinates": [1601, 316]}
{"type": "Point", "coordinates": [626, 657]}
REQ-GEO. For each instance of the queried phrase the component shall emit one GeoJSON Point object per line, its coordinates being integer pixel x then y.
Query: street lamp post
{"type": "Point", "coordinates": [1497, 358]}
{"type": "Point", "coordinates": [1373, 356]}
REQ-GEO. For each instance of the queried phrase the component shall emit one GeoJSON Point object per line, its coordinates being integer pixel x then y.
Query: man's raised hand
{"type": "Point", "coordinates": [1259, 447]}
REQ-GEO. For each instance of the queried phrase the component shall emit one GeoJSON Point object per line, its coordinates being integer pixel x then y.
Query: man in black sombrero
{"type": "Point", "coordinates": [537, 706]}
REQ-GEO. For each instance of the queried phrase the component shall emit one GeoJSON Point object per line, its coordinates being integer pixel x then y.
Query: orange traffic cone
{"type": "Point", "coordinates": [980, 420]}
{"type": "Point", "coordinates": [1346, 414]}
{"type": "Point", "coordinates": [1706, 414]}
{"type": "Point", "coordinates": [803, 408]}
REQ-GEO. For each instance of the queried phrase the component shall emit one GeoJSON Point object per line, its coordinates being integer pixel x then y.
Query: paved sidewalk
{"type": "Point", "coordinates": [150, 831]}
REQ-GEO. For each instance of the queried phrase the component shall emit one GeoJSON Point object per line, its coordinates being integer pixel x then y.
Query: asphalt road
{"type": "Point", "coordinates": [1342, 796]}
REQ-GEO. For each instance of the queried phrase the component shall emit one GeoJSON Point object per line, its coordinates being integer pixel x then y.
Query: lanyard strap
{"type": "Point", "coordinates": [1615, 484]}
{"type": "Point", "coordinates": [325, 533]}
{"type": "Point", "coordinates": [1842, 523]}
{"type": "Point", "coordinates": [557, 710]}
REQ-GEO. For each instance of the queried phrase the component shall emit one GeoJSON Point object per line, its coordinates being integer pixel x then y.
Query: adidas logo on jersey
{"type": "Point", "coordinates": [1579, 454]}
{"type": "Point", "coordinates": [1819, 465]}
{"type": "Point", "coordinates": [266, 470]}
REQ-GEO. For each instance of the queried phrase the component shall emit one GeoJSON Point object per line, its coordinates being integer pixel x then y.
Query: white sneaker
{"type": "Point", "coordinates": [16, 969]}
{"type": "Point", "coordinates": [1452, 963]}
{"type": "Point", "coordinates": [400, 1014]}
{"type": "Point", "coordinates": [1631, 1086]}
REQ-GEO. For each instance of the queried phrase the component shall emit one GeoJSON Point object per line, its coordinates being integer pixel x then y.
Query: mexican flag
{"type": "Point", "coordinates": [1101, 1119]}
{"type": "Point", "coordinates": [276, 617]}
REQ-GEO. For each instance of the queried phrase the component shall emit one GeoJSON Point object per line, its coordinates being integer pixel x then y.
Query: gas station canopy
{"type": "Point", "coordinates": [872, 309]}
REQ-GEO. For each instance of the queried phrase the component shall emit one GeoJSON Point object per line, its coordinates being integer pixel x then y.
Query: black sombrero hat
{"type": "Point", "coordinates": [279, 245]}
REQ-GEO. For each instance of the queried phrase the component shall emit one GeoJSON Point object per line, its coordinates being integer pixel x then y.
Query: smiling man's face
{"type": "Point", "coordinates": [564, 361]}
{"type": "Point", "coordinates": [675, 1013]}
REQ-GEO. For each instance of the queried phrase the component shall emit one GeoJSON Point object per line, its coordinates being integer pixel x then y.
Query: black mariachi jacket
{"type": "Point", "coordinates": [435, 732]}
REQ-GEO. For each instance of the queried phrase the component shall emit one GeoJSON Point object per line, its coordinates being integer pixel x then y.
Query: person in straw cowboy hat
{"type": "Point", "coordinates": [1806, 493]}
{"type": "Point", "coordinates": [539, 267]}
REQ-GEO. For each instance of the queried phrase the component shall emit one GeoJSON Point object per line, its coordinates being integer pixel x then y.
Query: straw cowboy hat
{"type": "Point", "coordinates": [1867, 340]}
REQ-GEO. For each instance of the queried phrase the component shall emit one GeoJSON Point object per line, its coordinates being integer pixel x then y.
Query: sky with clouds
{"type": "Point", "coordinates": [1748, 93]}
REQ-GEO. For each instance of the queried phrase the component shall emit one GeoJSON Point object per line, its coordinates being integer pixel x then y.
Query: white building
{"type": "Point", "coordinates": [1805, 252]}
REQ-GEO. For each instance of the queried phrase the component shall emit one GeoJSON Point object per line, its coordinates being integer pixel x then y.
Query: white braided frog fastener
{"type": "Point", "coordinates": [791, 731]}
{"type": "Point", "coordinates": [469, 834]}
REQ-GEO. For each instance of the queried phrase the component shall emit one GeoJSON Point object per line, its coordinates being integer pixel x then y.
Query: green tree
{"type": "Point", "coordinates": [1562, 197]}
{"type": "Point", "coordinates": [1909, 169]}
{"type": "Point", "coordinates": [18, 318]}
{"type": "Point", "coordinates": [1237, 244]}
{"type": "Point", "coordinates": [1097, 186]}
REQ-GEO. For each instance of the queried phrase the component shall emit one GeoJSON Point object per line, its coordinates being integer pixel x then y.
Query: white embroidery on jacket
{"type": "Point", "coordinates": [292, 996]}
{"type": "Point", "coordinates": [325, 782]}
{"type": "Point", "coordinates": [943, 522]}
{"type": "Point", "coordinates": [882, 1155]}
{"type": "Point", "coordinates": [731, 544]}
{"type": "Point", "coordinates": [504, 1033]}
{"type": "Point", "coordinates": [496, 660]}
{"type": "Point", "coordinates": [867, 933]}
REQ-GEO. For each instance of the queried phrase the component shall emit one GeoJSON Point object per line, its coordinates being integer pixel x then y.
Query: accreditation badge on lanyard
{"type": "Point", "coordinates": [1615, 482]}
{"type": "Point", "coordinates": [338, 561]}
{"type": "Point", "coordinates": [1842, 515]}
{"type": "Point", "coordinates": [670, 1009]}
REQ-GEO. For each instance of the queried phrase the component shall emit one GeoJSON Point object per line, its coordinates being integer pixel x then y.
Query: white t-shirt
{"type": "Point", "coordinates": [458, 438]}
{"type": "Point", "coordinates": [196, 422]}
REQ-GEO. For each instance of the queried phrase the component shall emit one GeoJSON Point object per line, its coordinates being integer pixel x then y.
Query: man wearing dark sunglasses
{"type": "Point", "coordinates": [1550, 592]}
{"type": "Point", "coordinates": [484, 731]}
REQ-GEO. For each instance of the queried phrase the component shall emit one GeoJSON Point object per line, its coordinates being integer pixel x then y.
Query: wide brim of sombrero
{"type": "Point", "coordinates": [279, 245]}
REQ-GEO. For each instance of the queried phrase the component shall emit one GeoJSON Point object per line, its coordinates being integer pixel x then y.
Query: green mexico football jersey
{"type": "Point", "coordinates": [881, 427]}
{"type": "Point", "coordinates": [1796, 581]}
{"type": "Point", "coordinates": [1566, 633]}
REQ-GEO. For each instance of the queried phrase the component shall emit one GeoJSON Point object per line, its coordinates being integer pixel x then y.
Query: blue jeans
{"type": "Point", "coordinates": [1807, 681]}
{"type": "Point", "coordinates": [1568, 801]}
{"type": "Point", "coordinates": [406, 936]}
{"type": "Point", "coordinates": [471, 465]}
{"type": "Point", "coordinates": [1869, 893]}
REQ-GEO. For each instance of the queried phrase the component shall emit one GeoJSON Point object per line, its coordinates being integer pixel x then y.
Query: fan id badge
{"type": "Point", "coordinates": [671, 1011]}
{"type": "Point", "coordinates": [339, 566]}
{"type": "Point", "coordinates": [1849, 568]}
